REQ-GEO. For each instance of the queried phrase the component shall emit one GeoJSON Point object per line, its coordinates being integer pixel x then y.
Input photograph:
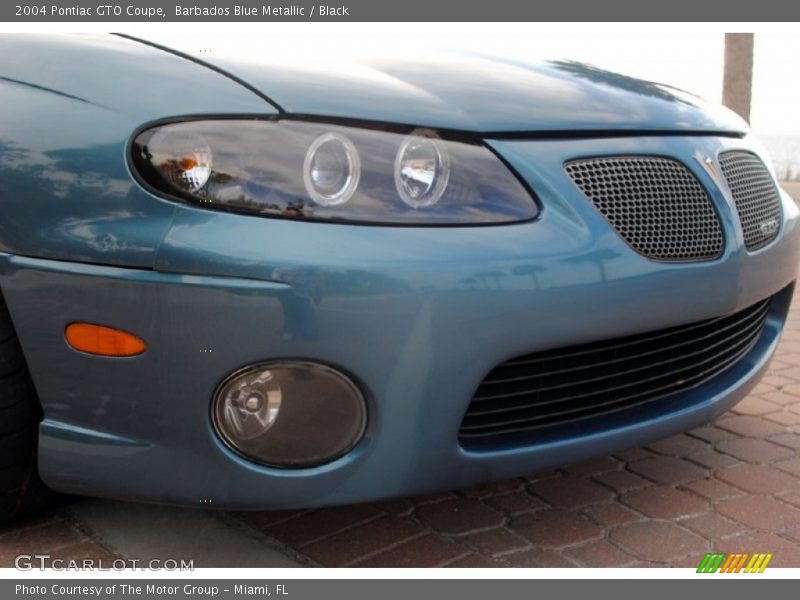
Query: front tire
{"type": "Point", "coordinates": [22, 493]}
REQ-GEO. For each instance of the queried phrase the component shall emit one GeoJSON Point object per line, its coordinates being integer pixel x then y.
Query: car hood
{"type": "Point", "coordinates": [473, 93]}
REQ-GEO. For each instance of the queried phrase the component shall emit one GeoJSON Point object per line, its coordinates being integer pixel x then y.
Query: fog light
{"type": "Point", "coordinates": [289, 414]}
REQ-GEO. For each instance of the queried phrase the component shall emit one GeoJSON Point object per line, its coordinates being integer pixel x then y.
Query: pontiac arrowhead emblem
{"type": "Point", "coordinates": [711, 169]}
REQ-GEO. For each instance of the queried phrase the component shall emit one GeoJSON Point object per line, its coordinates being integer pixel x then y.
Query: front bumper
{"type": "Point", "coordinates": [418, 316]}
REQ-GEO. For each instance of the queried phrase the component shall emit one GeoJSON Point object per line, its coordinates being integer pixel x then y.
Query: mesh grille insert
{"type": "Point", "coordinates": [755, 196]}
{"type": "Point", "coordinates": [578, 386]}
{"type": "Point", "coordinates": [656, 204]}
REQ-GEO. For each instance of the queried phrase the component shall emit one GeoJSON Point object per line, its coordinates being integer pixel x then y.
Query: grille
{"type": "Point", "coordinates": [755, 196]}
{"type": "Point", "coordinates": [656, 204]}
{"type": "Point", "coordinates": [556, 388]}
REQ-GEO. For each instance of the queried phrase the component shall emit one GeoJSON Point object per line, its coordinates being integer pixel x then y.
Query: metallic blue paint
{"type": "Point", "coordinates": [68, 106]}
{"type": "Point", "coordinates": [475, 92]}
{"type": "Point", "coordinates": [417, 316]}
{"type": "Point", "coordinates": [139, 428]}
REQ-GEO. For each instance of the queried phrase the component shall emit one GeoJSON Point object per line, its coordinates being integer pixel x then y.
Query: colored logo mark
{"type": "Point", "coordinates": [734, 563]}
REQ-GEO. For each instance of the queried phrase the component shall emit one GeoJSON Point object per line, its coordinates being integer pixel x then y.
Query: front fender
{"type": "Point", "coordinates": [68, 105]}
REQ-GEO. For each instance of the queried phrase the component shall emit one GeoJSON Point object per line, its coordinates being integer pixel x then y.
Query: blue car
{"type": "Point", "coordinates": [243, 284]}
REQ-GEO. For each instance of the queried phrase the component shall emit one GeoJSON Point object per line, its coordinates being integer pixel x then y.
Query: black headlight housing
{"type": "Point", "coordinates": [308, 170]}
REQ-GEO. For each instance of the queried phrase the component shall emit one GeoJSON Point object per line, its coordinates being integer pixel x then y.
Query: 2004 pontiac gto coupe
{"type": "Point", "coordinates": [239, 283]}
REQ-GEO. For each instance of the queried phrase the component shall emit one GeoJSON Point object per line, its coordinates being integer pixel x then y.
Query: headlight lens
{"type": "Point", "coordinates": [183, 158]}
{"type": "Point", "coordinates": [331, 170]}
{"type": "Point", "coordinates": [318, 171]}
{"type": "Point", "coordinates": [421, 170]}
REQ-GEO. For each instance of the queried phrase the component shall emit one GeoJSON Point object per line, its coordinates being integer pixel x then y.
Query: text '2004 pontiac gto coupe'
{"type": "Point", "coordinates": [245, 284]}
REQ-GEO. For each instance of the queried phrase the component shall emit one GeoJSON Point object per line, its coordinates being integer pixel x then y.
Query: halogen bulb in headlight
{"type": "Point", "coordinates": [331, 169]}
{"type": "Point", "coordinates": [183, 157]}
{"type": "Point", "coordinates": [421, 170]}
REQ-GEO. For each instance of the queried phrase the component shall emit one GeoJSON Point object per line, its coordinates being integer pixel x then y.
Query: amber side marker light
{"type": "Point", "coordinates": [103, 341]}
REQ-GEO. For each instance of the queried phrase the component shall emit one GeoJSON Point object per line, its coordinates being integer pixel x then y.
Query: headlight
{"type": "Point", "coordinates": [183, 157]}
{"type": "Point", "coordinates": [331, 169]}
{"type": "Point", "coordinates": [317, 171]}
{"type": "Point", "coordinates": [421, 170]}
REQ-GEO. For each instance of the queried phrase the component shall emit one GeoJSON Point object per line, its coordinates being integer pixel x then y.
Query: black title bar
{"type": "Point", "coordinates": [398, 10]}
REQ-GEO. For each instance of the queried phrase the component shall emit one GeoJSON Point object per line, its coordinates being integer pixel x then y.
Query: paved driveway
{"type": "Point", "coordinates": [733, 486]}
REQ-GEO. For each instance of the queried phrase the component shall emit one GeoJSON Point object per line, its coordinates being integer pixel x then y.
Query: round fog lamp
{"type": "Point", "coordinates": [331, 169]}
{"type": "Point", "coordinates": [289, 414]}
{"type": "Point", "coordinates": [421, 170]}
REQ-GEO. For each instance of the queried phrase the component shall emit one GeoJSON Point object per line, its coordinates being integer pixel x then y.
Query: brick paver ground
{"type": "Point", "coordinates": [52, 534]}
{"type": "Point", "coordinates": [731, 486]}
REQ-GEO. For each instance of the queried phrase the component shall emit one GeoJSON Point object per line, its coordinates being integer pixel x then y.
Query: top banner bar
{"type": "Point", "coordinates": [32, 11]}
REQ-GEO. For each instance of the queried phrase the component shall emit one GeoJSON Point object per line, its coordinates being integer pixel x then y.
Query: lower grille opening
{"type": "Point", "coordinates": [526, 398]}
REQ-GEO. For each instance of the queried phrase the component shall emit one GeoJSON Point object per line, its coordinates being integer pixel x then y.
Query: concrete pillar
{"type": "Point", "coordinates": [738, 81]}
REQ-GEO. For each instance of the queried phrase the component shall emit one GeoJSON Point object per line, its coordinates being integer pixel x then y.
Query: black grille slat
{"type": "Point", "coordinates": [706, 340]}
{"type": "Point", "coordinates": [656, 205]}
{"type": "Point", "coordinates": [620, 343]}
{"type": "Point", "coordinates": [555, 399]}
{"type": "Point", "coordinates": [755, 196]}
{"type": "Point", "coordinates": [623, 403]}
{"type": "Point", "coordinates": [713, 345]}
